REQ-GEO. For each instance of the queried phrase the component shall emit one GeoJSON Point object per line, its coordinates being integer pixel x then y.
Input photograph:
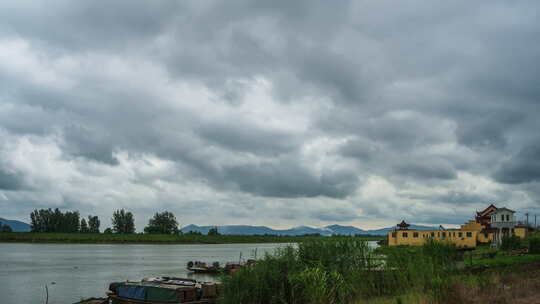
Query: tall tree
{"type": "Point", "coordinates": [162, 223]}
{"type": "Point", "coordinates": [48, 220]}
{"type": "Point", "coordinates": [84, 226]}
{"type": "Point", "coordinates": [5, 228]}
{"type": "Point", "coordinates": [123, 222]}
{"type": "Point", "coordinates": [93, 224]}
{"type": "Point", "coordinates": [213, 231]}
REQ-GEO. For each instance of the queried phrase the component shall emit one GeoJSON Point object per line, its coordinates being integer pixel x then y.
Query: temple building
{"type": "Point", "coordinates": [489, 226]}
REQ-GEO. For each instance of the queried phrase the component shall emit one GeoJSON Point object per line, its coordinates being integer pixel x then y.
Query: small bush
{"type": "Point", "coordinates": [534, 245]}
{"type": "Point", "coordinates": [512, 242]}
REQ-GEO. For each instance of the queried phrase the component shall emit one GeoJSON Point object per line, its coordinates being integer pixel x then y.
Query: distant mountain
{"type": "Point", "coordinates": [16, 226]}
{"type": "Point", "coordinates": [300, 230]}
{"type": "Point", "coordinates": [384, 231]}
{"type": "Point", "coordinates": [344, 230]}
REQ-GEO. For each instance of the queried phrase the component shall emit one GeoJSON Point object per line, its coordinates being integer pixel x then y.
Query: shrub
{"type": "Point", "coordinates": [534, 245]}
{"type": "Point", "coordinates": [512, 242]}
{"type": "Point", "coordinates": [341, 271]}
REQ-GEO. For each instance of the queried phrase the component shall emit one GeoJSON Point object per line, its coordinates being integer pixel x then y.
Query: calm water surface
{"type": "Point", "coordinates": [73, 271]}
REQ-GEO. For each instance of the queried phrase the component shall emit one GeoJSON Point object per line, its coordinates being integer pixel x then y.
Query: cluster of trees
{"type": "Point", "coordinates": [123, 222]}
{"type": "Point", "coordinates": [5, 228]}
{"type": "Point", "coordinates": [48, 220]}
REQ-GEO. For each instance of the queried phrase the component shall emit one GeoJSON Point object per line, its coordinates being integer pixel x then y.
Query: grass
{"type": "Point", "coordinates": [328, 271]}
{"type": "Point", "coordinates": [341, 271]}
{"type": "Point", "coordinates": [84, 238]}
{"type": "Point", "coordinates": [506, 260]}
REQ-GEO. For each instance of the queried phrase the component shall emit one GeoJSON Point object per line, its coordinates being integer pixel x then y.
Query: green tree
{"type": "Point", "coordinates": [108, 231]}
{"type": "Point", "coordinates": [213, 231]}
{"type": "Point", "coordinates": [93, 224]}
{"type": "Point", "coordinates": [84, 226]}
{"type": "Point", "coordinates": [48, 220]}
{"type": "Point", "coordinates": [123, 222]}
{"type": "Point", "coordinates": [162, 223]}
{"type": "Point", "coordinates": [5, 228]}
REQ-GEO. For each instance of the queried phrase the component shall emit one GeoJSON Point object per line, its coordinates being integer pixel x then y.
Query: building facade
{"type": "Point", "coordinates": [489, 226]}
{"type": "Point", "coordinates": [406, 237]}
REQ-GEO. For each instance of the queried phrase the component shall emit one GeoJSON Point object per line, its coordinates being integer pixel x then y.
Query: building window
{"type": "Point", "coordinates": [453, 234]}
{"type": "Point", "coordinates": [433, 234]}
{"type": "Point", "coordinates": [444, 234]}
{"type": "Point", "coordinates": [469, 234]}
{"type": "Point", "coordinates": [394, 234]}
{"type": "Point", "coordinates": [438, 234]}
{"type": "Point", "coordinates": [502, 217]}
{"type": "Point", "coordinates": [415, 234]}
{"type": "Point", "coordinates": [508, 217]}
{"type": "Point", "coordinates": [513, 232]}
{"type": "Point", "coordinates": [405, 234]}
{"type": "Point", "coordinates": [460, 234]}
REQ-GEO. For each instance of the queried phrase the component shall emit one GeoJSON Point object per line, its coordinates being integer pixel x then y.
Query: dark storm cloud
{"type": "Point", "coordinates": [10, 180]}
{"type": "Point", "coordinates": [282, 99]}
{"type": "Point", "coordinates": [524, 167]}
{"type": "Point", "coordinates": [285, 178]}
{"type": "Point", "coordinates": [249, 138]}
{"type": "Point", "coordinates": [92, 144]}
{"type": "Point", "coordinates": [426, 170]}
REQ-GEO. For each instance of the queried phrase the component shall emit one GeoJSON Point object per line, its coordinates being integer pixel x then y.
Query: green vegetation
{"type": "Point", "coordinates": [213, 231]}
{"type": "Point", "coordinates": [341, 271]}
{"type": "Point", "coordinates": [5, 228]}
{"type": "Point", "coordinates": [162, 223]}
{"type": "Point", "coordinates": [123, 222]}
{"type": "Point", "coordinates": [330, 270]}
{"type": "Point", "coordinates": [501, 260]}
{"type": "Point", "coordinates": [111, 238]}
{"type": "Point", "coordinates": [48, 220]}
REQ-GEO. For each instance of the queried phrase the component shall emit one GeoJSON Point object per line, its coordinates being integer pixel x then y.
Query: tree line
{"type": "Point", "coordinates": [123, 222]}
{"type": "Point", "coordinates": [5, 228]}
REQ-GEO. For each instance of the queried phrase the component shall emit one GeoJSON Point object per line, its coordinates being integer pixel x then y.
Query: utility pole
{"type": "Point", "coordinates": [527, 221]}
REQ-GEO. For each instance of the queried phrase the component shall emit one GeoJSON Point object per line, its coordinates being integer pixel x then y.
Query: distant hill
{"type": "Point", "coordinates": [16, 226]}
{"type": "Point", "coordinates": [300, 230]}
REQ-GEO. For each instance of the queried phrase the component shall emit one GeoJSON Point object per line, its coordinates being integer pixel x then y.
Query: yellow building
{"type": "Point", "coordinates": [477, 231]}
{"type": "Point", "coordinates": [404, 236]}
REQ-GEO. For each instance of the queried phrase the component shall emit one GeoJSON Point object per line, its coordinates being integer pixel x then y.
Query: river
{"type": "Point", "coordinates": [75, 271]}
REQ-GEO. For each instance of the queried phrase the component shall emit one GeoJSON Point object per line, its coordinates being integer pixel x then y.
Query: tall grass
{"type": "Point", "coordinates": [341, 271]}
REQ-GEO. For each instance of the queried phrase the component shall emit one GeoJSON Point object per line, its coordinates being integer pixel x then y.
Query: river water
{"type": "Point", "coordinates": [75, 271]}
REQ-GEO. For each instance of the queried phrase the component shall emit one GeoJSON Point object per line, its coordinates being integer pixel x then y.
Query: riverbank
{"type": "Point", "coordinates": [87, 238]}
{"type": "Point", "coordinates": [350, 272]}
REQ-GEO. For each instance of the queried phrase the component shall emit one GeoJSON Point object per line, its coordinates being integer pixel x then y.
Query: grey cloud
{"type": "Point", "coordinates": [10, 180]}
{"type": "Point", "coordinates": [427, 170]}
{"type": "Point", "coordinates": [92, 144]}
{"type": "Point", "coordinates": [412, 93]}
{"type": "Point", "coordinates": [290, 179]}
{"type": "Point", "coordinates": [245, 137]}
{"type": "Point", "coordinates": [524, 167]}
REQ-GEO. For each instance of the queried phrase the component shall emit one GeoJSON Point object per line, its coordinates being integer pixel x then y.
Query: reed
{"type": "Point", "coordinates": [341, 271]}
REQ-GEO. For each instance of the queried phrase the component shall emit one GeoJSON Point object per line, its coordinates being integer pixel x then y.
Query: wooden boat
{"type": "Point", "coordinates": [202, 267]}
{"type": "Point", "coordinates": [94, 301]}
{"type": "Point", "coordinates": [229, 268]}
{"type": "Point", "coordinates": [163, 290]}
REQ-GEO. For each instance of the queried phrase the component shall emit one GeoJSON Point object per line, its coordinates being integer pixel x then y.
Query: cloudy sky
{"type": "Point", "coordinates": [278, 113]}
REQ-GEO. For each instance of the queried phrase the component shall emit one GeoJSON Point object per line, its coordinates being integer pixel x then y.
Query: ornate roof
{"type": "Point", "coordinates": [403, 224]}
{"type": "Point", "coordinates": [504, 209]}
{"type": "Point", "coordinates": [486, 212]}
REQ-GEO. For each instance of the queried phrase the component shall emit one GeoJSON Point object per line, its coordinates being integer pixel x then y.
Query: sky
{"type": "Point", "coordinates": [277, 113]}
